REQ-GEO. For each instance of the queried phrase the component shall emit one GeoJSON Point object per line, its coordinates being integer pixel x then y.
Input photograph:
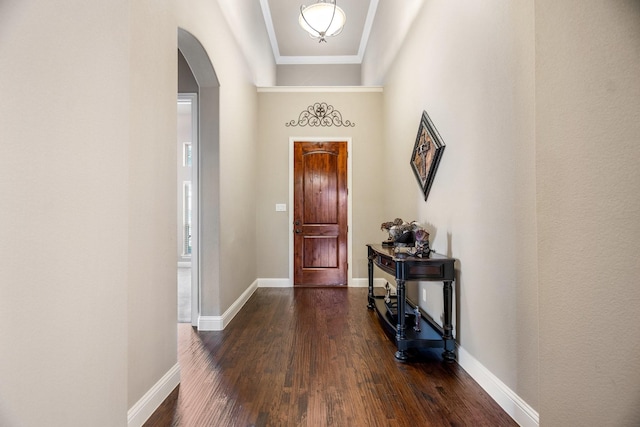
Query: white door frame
{"type": "Point", "coordinates": [195, 207]}
{"type": "Point", "coordinates": [349, 199]}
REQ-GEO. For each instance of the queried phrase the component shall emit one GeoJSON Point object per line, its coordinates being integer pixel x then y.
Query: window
{"type": "Point", "coordinates": [186, 154]}
{"type": "Point", "coordinates": [186, 216]}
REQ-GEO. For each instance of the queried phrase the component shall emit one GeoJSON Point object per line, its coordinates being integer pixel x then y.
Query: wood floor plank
{"type": "Point", "coordinates": [315, 357]}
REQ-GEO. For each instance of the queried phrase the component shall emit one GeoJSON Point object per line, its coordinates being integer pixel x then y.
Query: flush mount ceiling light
{"type": "Point", "coordinates": [323, 19]}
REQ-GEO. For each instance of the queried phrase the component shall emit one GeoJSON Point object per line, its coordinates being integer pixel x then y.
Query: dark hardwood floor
{"type": "Point", "coordinates": [315, 357]}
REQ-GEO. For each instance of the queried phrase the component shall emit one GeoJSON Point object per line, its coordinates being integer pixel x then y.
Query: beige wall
{"type": "Point", "coordinates": [393, 20]}
{"type": "Point", "coordinates": [471, 67]}
{"type": "Point", "coordinates": [318, 75]}
{"type": "Point", "coordinates": [587, 152]}
{"type": "Point", "coordinates": [88, 305]}
{"type": "Point", "coordinates": [152, 197]}
{"type": "Point", "coordinates": [64, 222]}
{"type": "Point", "coordinates": [272, 183]}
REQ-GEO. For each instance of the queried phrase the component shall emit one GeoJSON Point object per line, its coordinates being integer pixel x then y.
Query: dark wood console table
{"type": "Point", "coordinates": [405, 268]}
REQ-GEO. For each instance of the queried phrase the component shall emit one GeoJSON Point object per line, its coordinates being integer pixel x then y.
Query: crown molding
{"type": "Point", "coordinates": [317, 89]}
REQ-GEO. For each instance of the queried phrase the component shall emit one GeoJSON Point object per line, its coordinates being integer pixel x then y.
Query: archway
{"type": "Point", "coordinates": [206, 187]}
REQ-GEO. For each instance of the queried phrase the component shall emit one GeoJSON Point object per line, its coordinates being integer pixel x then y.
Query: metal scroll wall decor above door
{"type": "Point", "coordinates": [320, 114]}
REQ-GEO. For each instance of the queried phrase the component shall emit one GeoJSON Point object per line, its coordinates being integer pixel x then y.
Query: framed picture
{"type": "Point", "coordinates": [426, 155]}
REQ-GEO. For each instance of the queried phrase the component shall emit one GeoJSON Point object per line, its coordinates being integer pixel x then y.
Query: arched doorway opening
{"type": "Point", "coordinates": [205, 185]}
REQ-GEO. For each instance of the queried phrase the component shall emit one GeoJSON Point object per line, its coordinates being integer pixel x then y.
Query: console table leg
{"type": "Point", "coordinates": [400, 292]}
{"type": "Point", "coordinates": [400, 335]}
{"type": "Point", "coordinates": [370, 299]}
{"type": "Point", "coordinates": [449, 343]}
{"type": "Point", "coordinates": [401, 355]}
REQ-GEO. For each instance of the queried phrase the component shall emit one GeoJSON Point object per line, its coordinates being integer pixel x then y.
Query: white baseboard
{"type": "Point", "coordinates": [146, 406]}
{"type": "Point", "coordinates": [274, 283]}
{"type": "Point", "coordinates": [512, 404]}
{"type": "Point", "coordinates": [218, 323]}
{"type": "Point", "coordinates": [210, 323]}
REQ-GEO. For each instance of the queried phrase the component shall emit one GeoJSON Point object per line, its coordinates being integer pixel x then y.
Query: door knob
{"type": "Point", "coordinates": [297, 222]}
{"type": "Point", "coordinates": [298, 230]}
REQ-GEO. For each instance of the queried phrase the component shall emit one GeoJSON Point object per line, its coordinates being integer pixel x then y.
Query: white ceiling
{"type": "Point", "coordinates": [268, 33]}
{"type": "Point", "coordinates": [292, 45]}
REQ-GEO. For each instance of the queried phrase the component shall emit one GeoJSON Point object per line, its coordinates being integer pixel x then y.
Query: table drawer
{"type": "Point", "coordinates": [386, 263]}
{"type": "Point", "coordinates": [425, 272]}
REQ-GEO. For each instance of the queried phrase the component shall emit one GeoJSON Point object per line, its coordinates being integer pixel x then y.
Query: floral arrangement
{"type": "Point", "coordinates": [421, 236]}
{"type": "Point", "coordinates": [402, 233]}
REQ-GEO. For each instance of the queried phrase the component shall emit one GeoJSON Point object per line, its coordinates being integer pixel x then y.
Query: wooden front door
{"type": "Point", "coordinates": [320, 213]}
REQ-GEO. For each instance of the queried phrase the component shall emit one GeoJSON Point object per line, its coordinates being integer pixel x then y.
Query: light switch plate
{"type": "Point", "coordinates": [281, 207]}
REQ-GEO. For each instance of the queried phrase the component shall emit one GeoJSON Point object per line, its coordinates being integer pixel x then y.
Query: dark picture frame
{"type": "Point", "coordinates": [426, 155]}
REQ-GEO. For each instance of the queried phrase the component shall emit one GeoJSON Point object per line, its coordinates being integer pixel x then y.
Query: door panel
{"type": "Point", "coordinates": [320, 213]}
{"type": "Point", "coordinates": [320, 252]}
